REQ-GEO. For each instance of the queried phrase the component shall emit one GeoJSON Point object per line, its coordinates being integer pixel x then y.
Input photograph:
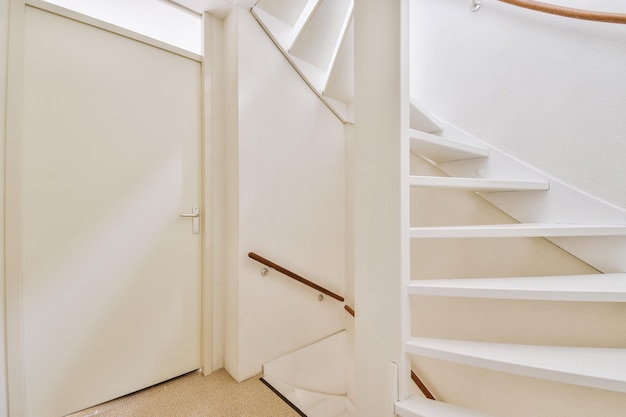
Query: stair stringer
{"type": "Point", "coordinates": [282, 34]}
{"type": "Point", "coordinates": [561, 204]}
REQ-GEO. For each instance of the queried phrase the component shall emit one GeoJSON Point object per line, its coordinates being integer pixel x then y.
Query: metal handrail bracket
{"type": "Point", "coordinates": [295, 276]}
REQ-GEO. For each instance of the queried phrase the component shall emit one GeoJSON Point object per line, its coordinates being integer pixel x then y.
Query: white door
{"type": "Point", "coordinates": [111, 271]}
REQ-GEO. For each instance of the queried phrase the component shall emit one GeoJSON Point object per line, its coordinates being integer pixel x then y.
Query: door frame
{"type": "Point", "coordinates": [211, 351]}
{"type": "Point", "coordinates": [12, 218]}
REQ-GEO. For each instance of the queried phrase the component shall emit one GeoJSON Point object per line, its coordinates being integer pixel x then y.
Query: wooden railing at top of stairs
{"type": "Point", "coordinates": [606, 17]}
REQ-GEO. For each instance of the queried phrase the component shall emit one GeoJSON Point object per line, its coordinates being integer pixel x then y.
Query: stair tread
{"type": "Point", "coordinates": [594, 287]}
{"type": "Point", "coordinates": [277, 29]}
{"type": "Point", "coordinates": [440, 149]}
{"type": "Point", "coordinates": [303, 20]}
{"type": "Point", "coordinates": [602, 368]}
{"type": "Point", "coordinates": [318, 39]}
{"type": "Point", "coordinates": [478, 184]}
{"type": "Point", "coordinates": [313, 403]}
{"type": "Point", "coordinates": [287, 11]}
{"type": "Point", "coordinates": [423, 407]}
{"type": "Point", "coordinates": [519, 230]}
{"type": "Point", "coordinates": [421, 119]}
{"type": "Point", "coordinates": [340, 78]}
{"type": "Point", "coordinates": [343, 32]}
{"type": "Point", "coordinates": [282, 34]}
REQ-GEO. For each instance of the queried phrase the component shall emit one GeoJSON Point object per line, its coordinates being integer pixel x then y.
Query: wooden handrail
{"type": "Point", "coordinates": [421, 386]}
{"type": "Point", "coordinates": [568, 11]}
{"type": "Point", "coordinates": [295, 276]}
{"type": "Point", "coordinates": [323, 290]}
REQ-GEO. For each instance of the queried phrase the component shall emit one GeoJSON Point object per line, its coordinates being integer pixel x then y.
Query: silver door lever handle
{"type": "Point", "coordinates": [189, 215]}
{"type": "Point", "coordinates": [195, 220]}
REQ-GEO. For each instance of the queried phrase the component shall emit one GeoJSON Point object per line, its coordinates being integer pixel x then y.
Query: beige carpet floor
{"type": "Point", "coordinates": [194, 395]}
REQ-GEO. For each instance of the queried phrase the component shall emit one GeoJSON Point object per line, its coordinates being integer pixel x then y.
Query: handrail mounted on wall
{"type": "Point", "coordinates": [294, 276]}
{"type": "Point", "coordinates": [595, 16]}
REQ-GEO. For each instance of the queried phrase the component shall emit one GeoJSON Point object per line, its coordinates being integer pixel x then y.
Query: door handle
{"type": "Point", "coordinates": [195, 220]}
{"type": "Point", "coordinates": [189, 215]}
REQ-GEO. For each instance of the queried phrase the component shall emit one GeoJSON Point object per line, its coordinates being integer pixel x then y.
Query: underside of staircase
{"type": "Point", "coordinates": [317, 38]}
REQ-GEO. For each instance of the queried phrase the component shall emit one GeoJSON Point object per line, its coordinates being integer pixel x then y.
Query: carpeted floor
{"type": "Point", "coordinates": [194, 395]}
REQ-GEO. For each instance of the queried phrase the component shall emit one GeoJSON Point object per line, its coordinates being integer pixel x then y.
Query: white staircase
{"type": "Point", "coordinates": [439, 149]}
{"type": "Point", "coordinates": [316, 37]}
{"type": "Point", "coordinates": [314, 379]}
{"type": "Point", "coordinates": [604, 288]}
{"type": "Point", "coordinates": [595, 367]}
{"type": "Point", "coordinates": [478, 184]}
{"type": "Point", "coordinates": [601, 368]}
{"type": "Point", "coordinates": [422, 407]}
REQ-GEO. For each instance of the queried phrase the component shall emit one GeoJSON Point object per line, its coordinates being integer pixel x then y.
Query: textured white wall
{"type": "Point", "coordinates": [290, 155]}
{"type": "Point", "coordinates": [4, 32]}
{"type": "Point", "coordinates": [547, 89]}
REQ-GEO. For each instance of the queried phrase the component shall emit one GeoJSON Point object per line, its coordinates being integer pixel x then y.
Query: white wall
{"type": "Point", "coordinates": [286, 180]}
{"type": "Point", "coordinates": [152, 18]}
{"type": "Point", "coordinates": [4, 32]}
{"type": "Point", "coordinates": [547, 89]}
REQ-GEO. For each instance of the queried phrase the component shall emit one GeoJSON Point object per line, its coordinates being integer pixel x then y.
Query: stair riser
{"type": "Point", "coordinates": [563, 204]}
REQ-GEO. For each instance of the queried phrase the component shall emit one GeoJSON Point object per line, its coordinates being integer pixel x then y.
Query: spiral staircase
{"type": "Point", "coordinates": [317, 38]}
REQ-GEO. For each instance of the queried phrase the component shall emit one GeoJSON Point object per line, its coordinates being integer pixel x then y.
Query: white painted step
{"type": "Point", "coordinates": [318, 39]}
{"type": "Point", "coordinates": [303, 20]}
{"type": "Point", "coordinates": [440, 150]}
{"type": "Point", "coordinates": [343, 32]}
{"type": "Point", "coordinates": [289, 11]}
{"type": "Point", "coordinates": [280, 32]}
{"type": "Point", "coordinates": [312, 403]}
{"type": "Point", "coordinates": [591, 288]}
{"type": "Point", "coordinates": [603, 368]}
{"type": "Point", "coordinates": [423, 407]}
{"type": "Point", "coordinates": [519, 230]}
{"type": "Point", "coordinates": [478, 184]}
{"type": "Point", "coordinates": [340, 81]}
{"type": "Point", "coordinates": [314, 378]}
{"type": "Point", "coordinates": [421, 119]}
{"type": "Point", "coordinates": [319, 367]}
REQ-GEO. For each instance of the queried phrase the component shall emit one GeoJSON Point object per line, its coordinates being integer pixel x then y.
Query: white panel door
{"type": "Point", "coordinates": [111, 272]}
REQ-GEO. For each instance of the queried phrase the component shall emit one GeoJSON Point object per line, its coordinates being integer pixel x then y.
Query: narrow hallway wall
{"type": "Point", "coordinates": [288, 165]}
